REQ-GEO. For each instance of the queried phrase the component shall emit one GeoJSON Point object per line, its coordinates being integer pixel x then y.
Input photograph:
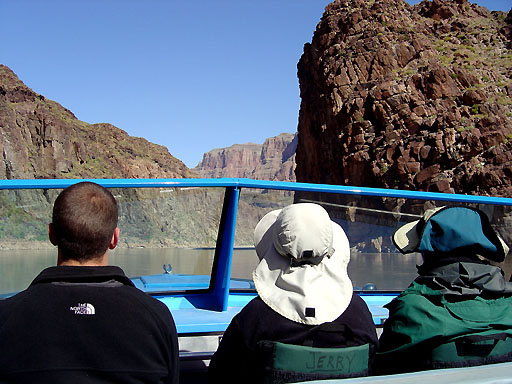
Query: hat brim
{"type": "Point", "coordinates": [325, 287]}
{"type": "Point", "coordinates": [406, 237]}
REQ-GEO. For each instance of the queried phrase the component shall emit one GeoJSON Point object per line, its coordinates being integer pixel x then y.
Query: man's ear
{"type": "Point", "coordinates": [51, 234]}
{"type": "Point", "coordinates": [115, 239]}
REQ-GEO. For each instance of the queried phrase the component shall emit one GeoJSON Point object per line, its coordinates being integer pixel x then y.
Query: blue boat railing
{"type": "Point", "coordinates": [236, 183]}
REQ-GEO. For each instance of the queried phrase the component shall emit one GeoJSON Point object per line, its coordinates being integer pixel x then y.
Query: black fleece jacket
{"type": "Point", "coordinates": [86, 325]}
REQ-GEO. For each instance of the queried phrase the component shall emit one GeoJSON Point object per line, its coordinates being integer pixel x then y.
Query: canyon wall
{"type": "Point", "coordinates": [410, 97]}
{"type": "Point", "coordinates": [272, 160]}
{"type": "Point", "coordinates": [406, 97]}
{"type": "Point", "coordinates": [39, 138]}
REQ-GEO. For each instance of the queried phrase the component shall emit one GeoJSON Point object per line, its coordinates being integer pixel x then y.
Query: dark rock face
{"type": "Point", "coordinates": [41, 139]}
{"type": "Point", "coordinates": [420, 98]}
{"type": "Point", "coordinates": [272, 160]}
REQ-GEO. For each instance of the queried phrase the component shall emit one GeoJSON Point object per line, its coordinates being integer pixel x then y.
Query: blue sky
{"type": "Point", "coordinates": [189, 75]}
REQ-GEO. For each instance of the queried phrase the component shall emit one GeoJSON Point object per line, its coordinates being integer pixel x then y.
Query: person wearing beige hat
{"type": "Point", "coordinates": [458, 311]}
{"type": "Point", "coordinates": [305, 295]}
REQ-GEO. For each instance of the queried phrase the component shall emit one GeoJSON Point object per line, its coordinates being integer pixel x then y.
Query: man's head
{"type": "Point", "coordinates": [84, 222]}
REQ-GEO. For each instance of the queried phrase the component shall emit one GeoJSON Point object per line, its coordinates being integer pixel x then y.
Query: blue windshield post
{"type": "Point", "coordinates": [217, 298]}
{"type": "Point", "coordinates": [223, 272]}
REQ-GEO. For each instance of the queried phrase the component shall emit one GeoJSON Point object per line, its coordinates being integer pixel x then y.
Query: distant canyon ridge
{"type": "Point", "coordinates": [272, 160]}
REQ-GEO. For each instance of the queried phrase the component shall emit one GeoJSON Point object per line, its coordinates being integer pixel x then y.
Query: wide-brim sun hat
{"type": "Point", "coordinates": [302, 274]}
{"type": "Point", "coordinates": [450, 230]}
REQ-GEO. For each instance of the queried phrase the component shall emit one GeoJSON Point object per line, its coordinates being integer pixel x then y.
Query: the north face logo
{"type": "Point", "coordinates": [83, 309]}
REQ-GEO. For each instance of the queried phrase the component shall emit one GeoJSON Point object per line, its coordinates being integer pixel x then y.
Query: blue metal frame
{"type": "Point", "coordinates": [262, 184]}
{"type": "Point", "coordinates": [217, 298]}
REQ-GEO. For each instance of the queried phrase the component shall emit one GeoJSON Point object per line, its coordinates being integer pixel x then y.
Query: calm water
{"type": "Point", "coordinates": [386, 271]}
{"type": "Point", "coordinates": [19, 267]}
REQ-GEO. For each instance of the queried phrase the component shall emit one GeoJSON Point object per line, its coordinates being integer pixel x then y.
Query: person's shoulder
{"type": "Point", "coordinates": [140, 299]}
{"type": "Point", "coordinates": [16, 303]}
{"type": "Point", "coordinates": [16, 299]}
{"type": "Point", "coordinates": [356, 298]}
{"type": "Point", "coordinates": [357, 314]}
{"type": "Point", "coordinates": [146, 298]}
{"type": "Point", "coordinates": [254, 309]}
{"type": "Point", "coordinates": [358, 302]}
{"type": "Point", "coordinates": [256, 305]}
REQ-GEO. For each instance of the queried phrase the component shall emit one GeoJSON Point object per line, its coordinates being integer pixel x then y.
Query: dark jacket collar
{"type": "Point", "coordinates": [71, 274]}
{"type": "Point", "coordinates": [433, 261]}
{"type": "Point", "coordinates": [464, 277]}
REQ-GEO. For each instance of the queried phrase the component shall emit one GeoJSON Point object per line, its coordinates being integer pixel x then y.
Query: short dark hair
{"type": "Point", "coordinates": [83, 221]}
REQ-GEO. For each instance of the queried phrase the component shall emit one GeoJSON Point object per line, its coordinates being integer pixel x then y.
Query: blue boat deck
{"type": "Point", "coordinates": [190, 320]}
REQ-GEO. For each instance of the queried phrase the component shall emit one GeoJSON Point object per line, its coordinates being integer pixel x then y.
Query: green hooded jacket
{"type": "Point", "coordinates": [466, 320]}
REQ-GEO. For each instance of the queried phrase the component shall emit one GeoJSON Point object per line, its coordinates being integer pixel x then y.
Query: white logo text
{"type": "Point", "coordinates": [83, 309]}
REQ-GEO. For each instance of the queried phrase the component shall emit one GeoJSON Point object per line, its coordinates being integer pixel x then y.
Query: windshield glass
{"type": "Point", "coordinates": [167, 236]}
{"type": "Point", "coordinates": [369, 223]}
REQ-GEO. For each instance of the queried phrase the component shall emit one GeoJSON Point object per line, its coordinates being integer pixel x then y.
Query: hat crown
{"type": "Point", "coordinates": [458, 228]}
{"type": "Point", "coordinates": [303, 254]}
{"type": "Point", "coordinates": [303, 230]}
{"type": "Point", "coordinates": [452, 230]}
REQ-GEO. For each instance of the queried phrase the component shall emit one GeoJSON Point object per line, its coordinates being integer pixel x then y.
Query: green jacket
{"type": "Point", "coordinates": [434, 328]}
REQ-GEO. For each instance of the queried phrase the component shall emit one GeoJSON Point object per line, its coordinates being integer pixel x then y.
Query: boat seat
{"type": "Point", "coordinates": [286, 363]}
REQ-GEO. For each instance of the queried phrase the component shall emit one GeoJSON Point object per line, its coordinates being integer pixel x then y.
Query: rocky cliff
{"type": "Point", "coordinates": [272, 160]}
{"type": "Point", "coordinates": [41, 139]}
{"type": "Point", "coordinates": [410, 97]}
{"type": "Point", "coordinates": [406, 97]}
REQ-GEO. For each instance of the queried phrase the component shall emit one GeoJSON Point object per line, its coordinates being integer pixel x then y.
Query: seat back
{"type": "Point", "coordinates": [286, 363]}
{"type": "Point", "coordinates": [471, 350]}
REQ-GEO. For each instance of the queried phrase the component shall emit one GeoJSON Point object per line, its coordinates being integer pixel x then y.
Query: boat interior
{"type": "Point", "coordinates": [189, 243]}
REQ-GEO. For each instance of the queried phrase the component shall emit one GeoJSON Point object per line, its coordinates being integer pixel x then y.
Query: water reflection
{"type": "Point", "coordinates": [19, 267]}
{"type": "Point", "coordinates": [150, 261]}
{"type": "Point", "coordinates": [387, 271]}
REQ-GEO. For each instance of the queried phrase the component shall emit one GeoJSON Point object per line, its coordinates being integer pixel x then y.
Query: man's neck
{"type": "Point", "coordinates": [101, 261]}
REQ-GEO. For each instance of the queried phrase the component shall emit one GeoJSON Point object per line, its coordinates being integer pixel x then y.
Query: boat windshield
{"type": "Point", "coordinates": [369, 223]}
{"type": "Point", "coordinates": [169, 235]}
